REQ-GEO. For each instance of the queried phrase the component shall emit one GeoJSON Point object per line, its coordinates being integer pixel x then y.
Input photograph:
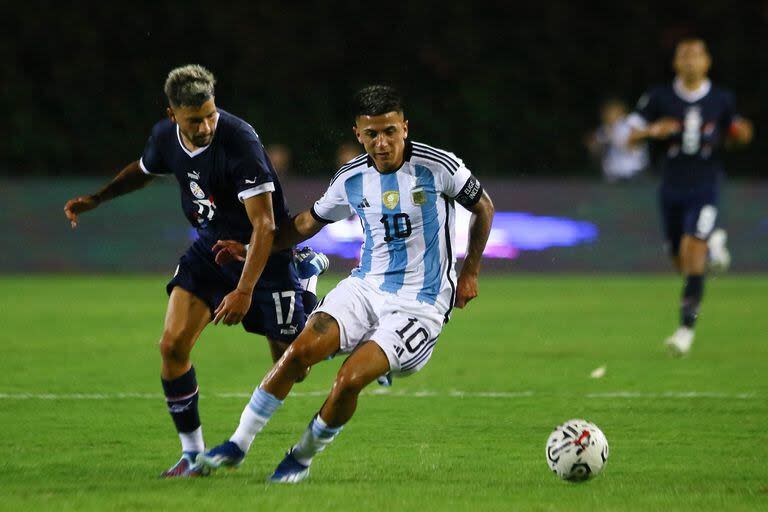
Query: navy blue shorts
{"type": "Point", "coordinates": [688, 211]}
{"type": "Point", "coordinates": [277, 307]}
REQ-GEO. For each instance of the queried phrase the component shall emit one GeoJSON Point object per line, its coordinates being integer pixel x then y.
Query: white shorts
{"type": "Point", "coordinates": [406, 330]}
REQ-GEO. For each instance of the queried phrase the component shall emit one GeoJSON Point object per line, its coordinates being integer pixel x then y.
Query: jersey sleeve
{"type": "Point", "coordinates": [249, 166]}
{"type": "Point", "coordinates": [646, 111]}
{"type": "Point", "coordinates": [460, 184]}
{"type": "Point", "coordinates": [334, 205]}
{"type": "Point", "coordinates": [151, 161]}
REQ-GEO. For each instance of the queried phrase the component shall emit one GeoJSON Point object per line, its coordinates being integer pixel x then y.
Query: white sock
{"type": "Point", "coordinates": [315, 439]}
{"type": "Point", "coordinates": [255, 415]}
{"type": "Point", "coordinates": [192, 441]}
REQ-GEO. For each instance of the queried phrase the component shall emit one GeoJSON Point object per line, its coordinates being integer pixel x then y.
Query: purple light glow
{"type": "Point", "coordinates": [511, 233]}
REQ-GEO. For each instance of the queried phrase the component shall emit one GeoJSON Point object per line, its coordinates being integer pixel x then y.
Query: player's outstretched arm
{"type": "Point", "coordinates": [661, 129]}
{"type": "Point", "coordinates": [301, 227]}
{"type": "Point", "coordinates": [129, 179]}
{"type": "Point", "coordinates": [236, 303]}
{"type": "Point", "coordinates": [479, 230]}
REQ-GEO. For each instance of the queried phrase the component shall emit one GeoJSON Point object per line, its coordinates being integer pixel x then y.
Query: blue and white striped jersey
{"type": "Point", "coordinates": [408, 219]}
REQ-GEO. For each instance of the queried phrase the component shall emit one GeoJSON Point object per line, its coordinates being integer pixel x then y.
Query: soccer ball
{"type": "Point", "coordinates": [577, 450]}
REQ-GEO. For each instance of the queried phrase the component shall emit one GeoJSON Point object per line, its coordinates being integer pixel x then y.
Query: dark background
{"type": "Point", "coordinates": [511, 88]}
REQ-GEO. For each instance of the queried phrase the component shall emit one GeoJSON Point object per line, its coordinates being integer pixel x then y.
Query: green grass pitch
{"type": "Point", "coordinates": [84, 425]}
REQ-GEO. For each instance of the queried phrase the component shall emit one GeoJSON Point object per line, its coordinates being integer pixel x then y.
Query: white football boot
{"type": "Point", "coordinates": [680, 342]}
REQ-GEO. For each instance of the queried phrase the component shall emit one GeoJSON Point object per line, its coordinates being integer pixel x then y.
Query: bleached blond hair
{"type": "Point", "coordinates": [189, 86]}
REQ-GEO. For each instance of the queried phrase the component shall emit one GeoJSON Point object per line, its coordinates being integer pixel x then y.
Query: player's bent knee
{"type": "Point", "coordinates": [301, 355]}
{"type": "Point", "coordinates": [349, 382]}
{"type": "Point", "coordinates": [174, 348]}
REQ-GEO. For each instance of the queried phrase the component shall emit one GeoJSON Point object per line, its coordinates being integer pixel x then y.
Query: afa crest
{"type": "Point", "coordinates": [390, 198]}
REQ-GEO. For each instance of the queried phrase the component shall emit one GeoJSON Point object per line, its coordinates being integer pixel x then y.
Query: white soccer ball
{"type": "Point", "coordinates": [577, 450]}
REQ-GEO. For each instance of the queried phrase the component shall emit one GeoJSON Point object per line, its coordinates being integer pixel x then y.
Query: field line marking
{"type": "Point", "coordinates": [678, 395]}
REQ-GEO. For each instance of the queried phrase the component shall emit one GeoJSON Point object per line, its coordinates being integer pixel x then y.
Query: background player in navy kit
{"type": "Point", "coordinates": [692, 118]}
{"type": "Point", "coordinates": [228, 190]}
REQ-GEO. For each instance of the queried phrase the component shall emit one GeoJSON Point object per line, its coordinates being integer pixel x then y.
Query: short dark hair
{"type": "Point", "coordinates": [376, 100]}
{"type": "Point", "coordinates": [189, 86]}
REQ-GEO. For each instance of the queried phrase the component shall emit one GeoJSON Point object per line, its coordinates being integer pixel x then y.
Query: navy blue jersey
{"type": "Point", "coordinates": [691, 157]}
{"type": "Point", "coordinates": [216, 179]}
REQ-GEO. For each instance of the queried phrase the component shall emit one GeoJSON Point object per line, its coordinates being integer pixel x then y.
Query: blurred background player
{"type": "Point", "coordinates": [390, 312]}
{"type": "Point", "coordinates": [281, 157]}
{"type": "Point", "coordinates": [692, 119]}
{"type": "Point", "coordinates": [619, 160]}
{"type": "Point", "coordinates": [228, 190]}
{"type": "Point", "coordinates": [346, 152]}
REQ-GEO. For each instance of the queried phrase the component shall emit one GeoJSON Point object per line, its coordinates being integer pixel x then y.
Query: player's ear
{"type": "Point", "coordinates": [171, 115]}
{"type": "Point", "coordinates": [357, 133]}
{"type": "Point", "coordinates": [405, 128]}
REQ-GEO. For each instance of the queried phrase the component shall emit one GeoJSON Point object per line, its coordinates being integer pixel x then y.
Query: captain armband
{"type": "Point", "coordinates": [470, 193]}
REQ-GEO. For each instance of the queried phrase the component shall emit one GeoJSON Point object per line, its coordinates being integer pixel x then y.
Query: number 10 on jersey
{"type": "Point", "coordinates": [396, 226]}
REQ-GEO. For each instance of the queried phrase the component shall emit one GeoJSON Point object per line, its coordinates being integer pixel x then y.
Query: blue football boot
{"type": "Point", "coordinates": [309, 263]}
{"type": "Point", "coordinates": [226, 455]}
{"type": "Point", "coordinates": [289, 471]}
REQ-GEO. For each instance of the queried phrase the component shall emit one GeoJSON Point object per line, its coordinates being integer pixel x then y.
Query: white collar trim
{"type": "Point", "coordinates": [196, 152]}
{"type": "Point", "coordinates": [691, 96]}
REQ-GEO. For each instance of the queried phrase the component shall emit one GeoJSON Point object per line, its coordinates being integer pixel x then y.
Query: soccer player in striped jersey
{"type": "Point", "coordinates": [691, 119]}
{"type": "Point", "coordinates": [389, 313]}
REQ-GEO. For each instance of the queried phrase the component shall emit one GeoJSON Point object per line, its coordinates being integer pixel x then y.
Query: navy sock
{"type": "Point", "coordinates": [692, 294]}
{"type": "Point", "coordinates": [181, 396]}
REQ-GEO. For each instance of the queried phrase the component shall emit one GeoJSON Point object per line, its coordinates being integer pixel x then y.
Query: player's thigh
{"type": "Point", "coordinates": [408, 335]}
{"type": "Point", "coordinates": [693, 255]}
{"type": "Point", "coordinates": [318, 341]}
{"type": "Point", "coordinates": [186, 317]}
{"type": "Point", "coordinates": [700, 220]}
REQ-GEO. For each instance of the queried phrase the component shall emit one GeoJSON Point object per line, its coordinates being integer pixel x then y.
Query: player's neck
{"type": "Point", "coordinates": [692, 84]}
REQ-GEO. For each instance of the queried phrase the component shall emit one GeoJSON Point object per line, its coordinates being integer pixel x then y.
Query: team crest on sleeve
{"type": "Point", "coordinates": [196, 190]}
{"type": "Point", "coordinates": [390, 198]}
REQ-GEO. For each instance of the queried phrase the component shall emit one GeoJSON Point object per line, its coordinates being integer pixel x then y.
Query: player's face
{"type": "Point", "coordinates": [196, 124]}
{"type": "Point", "coordinates": [692, 60]}
{"type": "Point", "coordinates": [383, 138]}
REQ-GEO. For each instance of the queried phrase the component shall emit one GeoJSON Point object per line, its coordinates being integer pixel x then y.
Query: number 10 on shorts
{"type": "Point", "coordinates": [278, 296]}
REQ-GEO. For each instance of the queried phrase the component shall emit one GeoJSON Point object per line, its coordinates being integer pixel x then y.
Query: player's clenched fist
{"type": "Point", "coordinates": [78, 205]}
{"type": "Point", "coordinates": [466, 290]}
{"type": "Point", "coordinates": [741, 131]}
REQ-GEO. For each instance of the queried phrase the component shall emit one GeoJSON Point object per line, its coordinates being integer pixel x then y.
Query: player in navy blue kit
{"type": "Point", "coordinates": [229, 190]}
{"type": "Point", "coordinates": [692, 119]}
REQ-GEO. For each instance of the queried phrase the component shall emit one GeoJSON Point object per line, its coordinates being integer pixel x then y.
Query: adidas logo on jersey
{"type": "Point", "coordinates": [364, 204]}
